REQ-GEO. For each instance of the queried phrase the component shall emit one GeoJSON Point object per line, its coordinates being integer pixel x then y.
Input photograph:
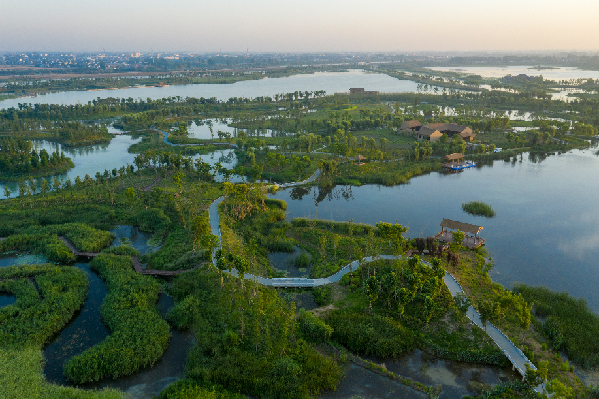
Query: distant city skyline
{"type": "Point", "coordinates": [307, 26]}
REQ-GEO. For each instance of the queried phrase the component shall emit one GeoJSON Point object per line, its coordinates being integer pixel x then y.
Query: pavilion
{"type": "Point", "coordinates": [471, 241]}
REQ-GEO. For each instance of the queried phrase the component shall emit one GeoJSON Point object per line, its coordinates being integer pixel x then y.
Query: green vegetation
{"type": "Point", "coordinates": [566, 322]}
{"type": "Point", "coordinates": [47, 298]}
{"type": "Point", "coordinates": [21, 374]}
{"type": "Point", "coordinates": [139, 336]}
{"type": "Point", "coordinates": [189, 389]}
{"type": "Point", "coordinates": [19, 159]}
{"type": "Point", "coordinates": [247, 339]}
{"type": "Point", "coordinates": [371, 334]}
{"type": "Point", "coordinates": [478, 208]}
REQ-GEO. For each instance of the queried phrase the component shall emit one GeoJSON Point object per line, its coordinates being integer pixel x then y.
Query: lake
{"type": "Point", "coordinates": [545, 232]}
{"type": "Point", "coordinates": [564, 73]}
{"type": "Point", "coordinates": [330, 82]}
{"type": "Point", "coordinates": [88, 159]}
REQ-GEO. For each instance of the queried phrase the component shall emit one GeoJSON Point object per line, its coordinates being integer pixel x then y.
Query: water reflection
{"type": "Point", "coordinates": [545, 231]}
{"type": "Point", "coordinates": [456, 378]}
{"type": "Point", "coordinates": [88, 159]}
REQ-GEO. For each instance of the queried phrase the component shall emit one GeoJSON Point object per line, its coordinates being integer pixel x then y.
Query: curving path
{"type": "Point", "coordinates": [513, 353]}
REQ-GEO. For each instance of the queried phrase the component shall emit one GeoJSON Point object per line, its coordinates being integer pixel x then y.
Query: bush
{"type": "Point", "coordinates": [569, 324]}
{"type": "Point", "coordinates": [189, 389]}
{"type": "Point", "coordinates": [478, 208]}
{"type": "Point", "coordinates": [152, 220]}
{"type": "Point", "coordinates": [247, 346]}
{"type": "Point", "coordinates": [303, 260]}
{"type": "Point", "coordinates": [47, 245]}
{"type": "Point", "coordinates": [21, 376]}
{"type": "Point", "coordinates": [36, 317]}
{"type": "Point", "coordinates": [323, 295]}
{"type": "Point", "coordinates": [139, 336]}
{"type": "Point", "coordinates": [313, 329]}
{"type": "Point", "coordinates": [370, 334]}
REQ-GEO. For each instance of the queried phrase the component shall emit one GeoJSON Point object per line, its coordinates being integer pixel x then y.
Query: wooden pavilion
{"type": "Point", "coordinates": [471, 240]}
{"type": "Point", "coordinates": [359, 159]}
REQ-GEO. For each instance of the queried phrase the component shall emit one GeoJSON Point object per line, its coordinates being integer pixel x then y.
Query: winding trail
{"type": "Point", "coordinates": [513, 353]}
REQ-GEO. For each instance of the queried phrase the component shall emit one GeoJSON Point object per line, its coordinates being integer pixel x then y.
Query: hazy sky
{"type": "Point", "coordinates": [298, 26]}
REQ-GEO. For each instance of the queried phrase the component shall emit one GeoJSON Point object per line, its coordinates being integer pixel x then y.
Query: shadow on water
{"type": "Point", "coordinates": [456, 378]}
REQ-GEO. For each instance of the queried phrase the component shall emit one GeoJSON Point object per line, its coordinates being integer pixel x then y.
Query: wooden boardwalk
{"type": "Point", "coordinates": [75, 250]}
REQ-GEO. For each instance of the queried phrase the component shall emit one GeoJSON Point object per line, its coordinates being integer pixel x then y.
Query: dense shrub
{"type": "Point", "coordinates": [188, 260]}
{"type": "Point", "coordinates": [313, 329]}
{"type": "Point", "coordinates": [139, 336]}
{"type": "Point", "coordinates": [370, 334]}
{"type": "Point", "coordinates": [152, 220]}
{"type": "Point", "coordinates": [178, 242]}
{"type": "Point", "coordinates": [247, 346]}
{"type": "Point", "coordinates": [21, 376]}
{"type": "Point", "coordinates": [44, 244]}
{"type": "Point", "coordinates": [36, 317]}
{"type": "Point", "coordinates": [189, 389]}
{"type": "Point", "coordinates": [323, 295]}
{"type": "Point", "coordinates": [569, 324]}
{"type": "Point", "coordinates": [83, 237]}
{"type": "Point", "coordinates": [126, 250]}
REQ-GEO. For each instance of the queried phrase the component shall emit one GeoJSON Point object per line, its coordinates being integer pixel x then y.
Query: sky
{"type": "Point", "coordinates": [298, 26]}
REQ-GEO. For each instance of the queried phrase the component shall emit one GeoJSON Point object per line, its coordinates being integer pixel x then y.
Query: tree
{"type": "Point", "coordinates": [178, 179]}
{"type": "Point", "coordinates": [372, 289]}
{"type": "Point", "coordinates": [7, 192]}
{"type": "Point", "coordinates": [458, 239]}
{"type": "Point", "coordinates": [199, 227]}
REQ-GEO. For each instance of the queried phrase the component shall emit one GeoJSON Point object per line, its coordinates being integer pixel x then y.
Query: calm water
{"type": "Point", "coordinates": [545, 232]}
{"type": "Point", "coordinates": [19, 258]}
{"type": "Point", "coordinates": [499, 72]}
{"type": "Point", "coordinates": [85, 330]}
{"type": "Point", "coordinates": [6, 299]}
{"type": "Point", "coordinates": [457, 379]}
{"type": "Point", "coordinates": [330, 82]}
{"type": "Point", "coordinates": [88, 159]}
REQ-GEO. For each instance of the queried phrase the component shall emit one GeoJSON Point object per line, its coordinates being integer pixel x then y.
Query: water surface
{"type": "Point", "coordinates": [330, 82]}
{"type": "Point", "coordinates": [545, 232]}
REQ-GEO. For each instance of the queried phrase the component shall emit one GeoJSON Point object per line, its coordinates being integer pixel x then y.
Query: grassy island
{"type": "Point", "coordinates": [478, 208]}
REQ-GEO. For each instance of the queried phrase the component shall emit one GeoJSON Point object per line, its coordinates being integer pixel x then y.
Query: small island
{"type": "Point", "coordinates": [478, 208]}
{"type": "Point", "coordinates": [19, 160]}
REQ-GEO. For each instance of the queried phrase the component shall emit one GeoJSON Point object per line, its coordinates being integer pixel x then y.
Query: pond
{"type": "Point", "coordinates": [20, 258]}
{"type": "Point", "coordinates": [457, 379]}
{"type": "Point", "coordinates": [330, 82]}
{"type": "Point", "coordinates": [286, 262]}
{"type": "Point", "coordinates": [88, 159]}
{"type": "Point", "coordinates": [545, 232]}
{"type": "Point", "coordinates": [6, 299]}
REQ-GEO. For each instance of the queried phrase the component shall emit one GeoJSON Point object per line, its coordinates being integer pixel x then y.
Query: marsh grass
{"type": "Point", "coordinates": [478, 208]}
